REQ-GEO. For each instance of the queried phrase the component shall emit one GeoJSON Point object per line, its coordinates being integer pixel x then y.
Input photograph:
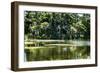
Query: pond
{"type": "Point", "coordinates": [48, 50]}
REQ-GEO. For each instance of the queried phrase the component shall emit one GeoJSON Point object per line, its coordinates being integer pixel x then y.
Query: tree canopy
{"type": "Point", "coordinates": [56, 25]}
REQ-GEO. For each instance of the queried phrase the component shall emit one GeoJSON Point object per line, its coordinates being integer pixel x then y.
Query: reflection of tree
{"type": "Point", "coordinates": [58, 53]}
{"type": "Point", "coordinates": [54, 25]}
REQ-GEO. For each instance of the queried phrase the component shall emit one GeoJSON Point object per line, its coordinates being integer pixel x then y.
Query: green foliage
{"type": "Point", "coordinates": [56, 25]}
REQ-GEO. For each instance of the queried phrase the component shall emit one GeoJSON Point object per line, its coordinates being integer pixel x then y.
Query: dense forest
{"type": "Point", "coordinates": [56, 25]}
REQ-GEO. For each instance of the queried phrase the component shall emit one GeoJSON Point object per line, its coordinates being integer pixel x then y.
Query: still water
{"type": "Point", "coordinates": [55, 50]}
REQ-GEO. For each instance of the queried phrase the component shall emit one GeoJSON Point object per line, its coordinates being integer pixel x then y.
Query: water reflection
{"type": "Point", "coordinates": [58, 51]}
